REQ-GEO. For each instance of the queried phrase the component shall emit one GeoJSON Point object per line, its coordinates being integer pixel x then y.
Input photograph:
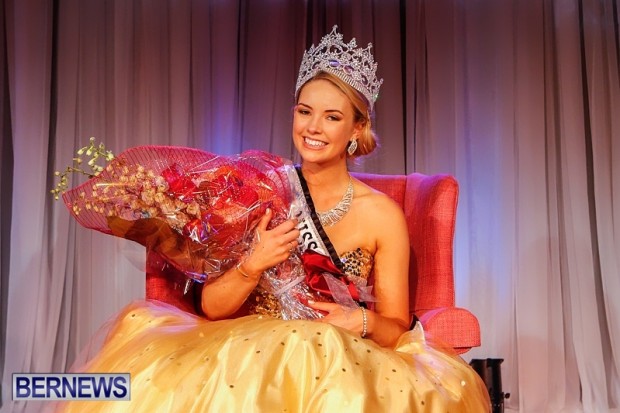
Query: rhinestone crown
{"type": "Point", "coordinates": [353, 65]}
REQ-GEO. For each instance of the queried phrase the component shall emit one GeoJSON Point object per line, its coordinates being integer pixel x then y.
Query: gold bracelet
{"type": "Point", "coordinates": [245, 274]}
{"type": "Point", "coordinates": [364, 323]}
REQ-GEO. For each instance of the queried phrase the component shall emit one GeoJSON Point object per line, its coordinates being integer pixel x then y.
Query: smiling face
{"type": "Point", "coordinates": [323, 123]}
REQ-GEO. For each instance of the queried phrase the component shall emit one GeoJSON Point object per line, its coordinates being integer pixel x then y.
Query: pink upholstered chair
{"type": "Point", "coordinates": [429, 203]}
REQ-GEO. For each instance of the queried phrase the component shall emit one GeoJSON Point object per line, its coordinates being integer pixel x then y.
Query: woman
{"type": "Point", "coordinates": [325, 123]}
{"type": "Point", "coordinates": [350, 358]}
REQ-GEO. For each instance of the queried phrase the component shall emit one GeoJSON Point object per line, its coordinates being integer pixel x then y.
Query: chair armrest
{"type": "Point", "coordinates": [452, 326]}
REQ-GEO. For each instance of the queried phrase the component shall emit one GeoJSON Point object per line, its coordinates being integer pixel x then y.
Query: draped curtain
{"type": "Point", "coordinates": [520, 101]}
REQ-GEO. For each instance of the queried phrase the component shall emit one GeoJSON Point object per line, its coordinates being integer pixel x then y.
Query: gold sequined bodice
{"type": "Point", "coordinates": [357, 263]}
{"type": "Point", "coordinates": [357, 267]}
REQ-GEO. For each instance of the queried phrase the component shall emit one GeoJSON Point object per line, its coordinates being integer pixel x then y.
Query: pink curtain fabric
{"type": "Point", "coordinates": [518, 100]}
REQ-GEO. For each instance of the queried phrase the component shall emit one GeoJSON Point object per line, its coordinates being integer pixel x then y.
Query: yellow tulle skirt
{"type": "Point", "coordinates": [182, 363]}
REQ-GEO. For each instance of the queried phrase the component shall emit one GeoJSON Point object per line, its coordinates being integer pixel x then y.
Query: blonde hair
{"type": "Point", "coordinates": [367, 139]}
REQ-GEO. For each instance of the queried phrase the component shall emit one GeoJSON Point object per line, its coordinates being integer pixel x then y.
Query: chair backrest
{"type": "Point", "coordinates": [429, 203]}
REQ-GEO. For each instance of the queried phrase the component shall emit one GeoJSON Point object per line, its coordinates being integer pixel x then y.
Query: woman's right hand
{"type": "Point", "coordinates": [272, 246]}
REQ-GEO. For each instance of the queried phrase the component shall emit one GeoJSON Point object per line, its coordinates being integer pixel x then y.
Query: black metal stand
{"type": "Point", "coordinates": [491, 373]}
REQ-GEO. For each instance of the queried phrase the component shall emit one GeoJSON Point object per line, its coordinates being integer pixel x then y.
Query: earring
{"type": "Point", "coordinates": [352, 147]}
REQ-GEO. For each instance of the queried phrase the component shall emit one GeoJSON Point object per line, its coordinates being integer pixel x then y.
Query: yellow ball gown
{"type": "Point", "coordinates": [180, 362]}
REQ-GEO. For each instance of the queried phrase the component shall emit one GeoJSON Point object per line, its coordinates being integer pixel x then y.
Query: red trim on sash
{"type": "Point", "coordinates": [315, 265]}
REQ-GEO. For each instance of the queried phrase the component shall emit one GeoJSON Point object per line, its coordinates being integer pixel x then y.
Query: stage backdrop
{"type": "Point", "coordinates": [520, 101]}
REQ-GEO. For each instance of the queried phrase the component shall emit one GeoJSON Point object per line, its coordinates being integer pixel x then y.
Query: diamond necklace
{"type": "Point", "coordinates": [334, 215]}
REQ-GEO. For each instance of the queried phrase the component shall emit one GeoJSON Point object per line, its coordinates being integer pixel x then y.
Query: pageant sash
{"type": "Point", "coordinates": [312, 235]}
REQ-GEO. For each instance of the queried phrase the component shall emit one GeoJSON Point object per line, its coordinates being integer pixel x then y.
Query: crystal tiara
{"type": "Point", "coordinates": [353, 65]}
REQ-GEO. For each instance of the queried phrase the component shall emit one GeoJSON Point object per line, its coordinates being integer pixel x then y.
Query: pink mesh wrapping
{"type": "Point", "coordinates": [194, 208]}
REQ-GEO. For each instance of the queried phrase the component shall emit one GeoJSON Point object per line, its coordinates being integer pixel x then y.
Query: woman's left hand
{"type": "Point", "coordinates": [345, 317]}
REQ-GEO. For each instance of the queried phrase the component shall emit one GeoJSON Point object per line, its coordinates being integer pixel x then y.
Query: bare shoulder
{"type": "Point", "coordinates": [380, 209]}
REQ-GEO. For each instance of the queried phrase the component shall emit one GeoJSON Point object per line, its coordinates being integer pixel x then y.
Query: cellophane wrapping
{"type": "Point", "coordinates": [198, 210]}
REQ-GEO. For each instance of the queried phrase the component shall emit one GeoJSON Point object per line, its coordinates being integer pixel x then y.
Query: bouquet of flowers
{"type": "Point", "coordinates": [197, 209]}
